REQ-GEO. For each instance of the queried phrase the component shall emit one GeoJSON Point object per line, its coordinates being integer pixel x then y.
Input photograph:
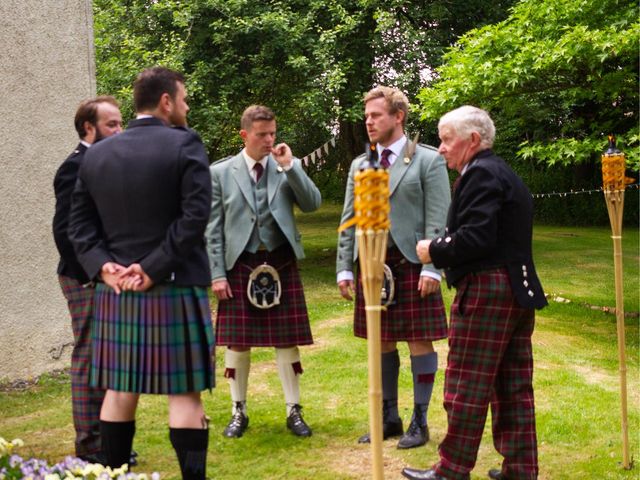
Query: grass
{"type": "Point", "coordinates": [576, 381]}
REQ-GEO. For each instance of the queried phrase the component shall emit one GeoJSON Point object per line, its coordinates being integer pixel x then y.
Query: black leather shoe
{"type": "Point", "coordinates": [296, 423]}
{"type": "Point", "coordinates": [389, 429]}
{"type": "Point", "coordinates": [415, 474]}
{"type": "Point", "coordinates": [418, 433]}
{"type": "Point", "coordinates": [97, 457]}
{"type": "Point", "coordinates": [237, 425]}
{"type": "Point", "coordinates": [497, 474]}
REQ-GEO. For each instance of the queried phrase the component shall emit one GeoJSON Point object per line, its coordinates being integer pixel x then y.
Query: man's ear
{"type": "Point", "coordinates": [166, 102]}
{"type": "Point", "coordinates": [243, 134]}
{"type": "Point", "coordinates": [400, 116]}
{"type": "Point", "coordinates": [475, 139]}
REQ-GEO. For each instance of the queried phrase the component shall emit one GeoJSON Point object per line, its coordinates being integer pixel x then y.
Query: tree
{"type": "Point", "coordinates": [310, 60]}
{"type": "Point", "coordinates": [557, 77]}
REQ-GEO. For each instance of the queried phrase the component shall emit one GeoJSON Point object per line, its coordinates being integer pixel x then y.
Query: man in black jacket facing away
{"type": "Point", "coordinates": [139, 212]}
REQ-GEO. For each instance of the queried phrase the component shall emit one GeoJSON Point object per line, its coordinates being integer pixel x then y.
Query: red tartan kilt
{"type": "Point", "coordinates": [411, 318]}
{"type": "Point", "coordinates": [240, 324]}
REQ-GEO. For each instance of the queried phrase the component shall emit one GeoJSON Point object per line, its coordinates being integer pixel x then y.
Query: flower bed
{"type": "Point", "coordinates": [13, 466]}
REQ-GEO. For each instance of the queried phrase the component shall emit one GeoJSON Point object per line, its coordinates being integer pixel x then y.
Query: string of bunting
{"type": "Point", "coordinates": [578, 192]}
{"type": "Point", "coordinates": [318, 153]}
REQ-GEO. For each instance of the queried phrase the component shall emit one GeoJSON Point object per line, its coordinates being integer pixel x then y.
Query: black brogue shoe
{"type": "Point", "coordinates": [415, 474]}
{"type": "Point", "coordinates": [496, 474]}
{"type": "Point", "coordinates": [237, 425]}
{"type": "Point", "coordinates": [418, 433]}
{"type": "Point", "coordinates": [296, 423]}
{"type": "Point", "coordinates": [389, 429]}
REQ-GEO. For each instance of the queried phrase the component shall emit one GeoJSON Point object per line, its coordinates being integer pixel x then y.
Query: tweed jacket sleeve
{"type": "Point", "coordinates": [215, 228]}
{"type": "Point", "coordinates": [306, 194]}
{"type": "Point", "coordinates": [436, 201]}
{"type": "Point", "coordinates": [347, 238]}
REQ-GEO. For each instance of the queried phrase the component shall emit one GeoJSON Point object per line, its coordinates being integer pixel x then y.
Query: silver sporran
{"type": "Point", "coordinates": [264, 287]}
{"type": "Point", "coordinates": [388, 287]}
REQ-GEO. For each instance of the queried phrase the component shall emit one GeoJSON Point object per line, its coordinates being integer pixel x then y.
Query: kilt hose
{"type": "Point", "coordinates": [159, 341]}
{"type": "Point", "coordinates": [410, 317]}
{"type": "Point", "coordinates": [86, 401]}
{"type": "Point", "coordinates": [240, 324]}
{"type": "Point", "coordinates": [490, 362]}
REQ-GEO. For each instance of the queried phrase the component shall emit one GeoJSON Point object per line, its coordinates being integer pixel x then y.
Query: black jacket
{"type": "Point", "coordinates": [144, 196]}
{"type": "Point", "coordinates": [63, 184]}
{"type": "Point", "coordinates": [490, 225]}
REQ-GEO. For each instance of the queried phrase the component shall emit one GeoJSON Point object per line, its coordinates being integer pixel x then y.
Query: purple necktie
{"type": "Point", "coordinates": [384, 158]}
{"type": "Point", "coordinates": [259, 169]}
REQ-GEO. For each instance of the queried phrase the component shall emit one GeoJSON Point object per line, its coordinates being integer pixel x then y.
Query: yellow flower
{"type": "Point", "coordinates": [7, 447]}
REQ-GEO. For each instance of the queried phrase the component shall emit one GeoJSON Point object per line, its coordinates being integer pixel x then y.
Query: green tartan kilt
{"type": "Point", "coordinates": [159, 341]}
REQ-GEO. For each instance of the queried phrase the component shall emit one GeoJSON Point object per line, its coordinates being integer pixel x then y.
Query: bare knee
{"type": "Point", "coordinates": [387, 347]}
{"type": "Point", "coordinates": [119, 406]}
{"type": "Point", "coordinates": [186, 411]}
{"type": "Point", "coordinates": [422, 347]}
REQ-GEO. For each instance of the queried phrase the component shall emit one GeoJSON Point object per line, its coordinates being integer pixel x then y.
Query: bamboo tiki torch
{"type": "Point", "coordinates": [613, 183]}
{"type": "Point", "coordinates": [371, 218]}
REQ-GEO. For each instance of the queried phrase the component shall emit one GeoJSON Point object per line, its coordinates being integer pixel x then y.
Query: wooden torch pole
{"type": "Point", "coordinates": [371, 208]}
{"type": "Point", "coordinates": [613, 165]}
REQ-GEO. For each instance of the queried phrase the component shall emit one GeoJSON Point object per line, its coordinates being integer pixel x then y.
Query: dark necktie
{"type": "Point", "coordinates": [456, 182]}
{"type": "Point", "coordinates": [384, 158]}
{"type": "Point", "coordinates": [259, 170]}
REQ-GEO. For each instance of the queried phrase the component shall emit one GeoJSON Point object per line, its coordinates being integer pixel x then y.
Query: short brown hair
{"type": "Point", "coordinates": [255, 113]}
{"type": "Point", "coordinates": [396, 100]}
{"type": "Point", "coordinates": [88, 112]}
{"type": "Point", "coordinates": [151, 84]}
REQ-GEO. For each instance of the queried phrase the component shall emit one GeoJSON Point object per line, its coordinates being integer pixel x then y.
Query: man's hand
{"type": "Point", "coordinates": [282, 154]}
{"type": "Point", "coordinates": [134, 278]}
{"type": "Point", "coordinates": [346, 289]}
{"type": "Point", "coordinates": [221, 289]}
{"type": "Point", "coordinates": [427, 286]}
{"type": "Point", "coordinates": [422, 249]}
{"type": "Point", "coordinates": [111, 273]}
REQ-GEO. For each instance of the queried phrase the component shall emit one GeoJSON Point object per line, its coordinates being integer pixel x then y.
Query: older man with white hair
{"type": "Point", "coordinates": [486, 254]}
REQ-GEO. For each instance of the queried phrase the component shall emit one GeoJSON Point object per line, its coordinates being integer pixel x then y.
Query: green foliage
{"type": "Point", "coordinates": [557, 76]}
{"type": "Point", "coordinates": [310, 60]}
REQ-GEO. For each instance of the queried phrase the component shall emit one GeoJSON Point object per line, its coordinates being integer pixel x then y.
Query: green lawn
{"type": "Point", "coordinates": [576, 381]}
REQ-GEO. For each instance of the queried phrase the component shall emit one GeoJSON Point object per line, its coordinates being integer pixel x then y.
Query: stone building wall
{"type": "Point", "coordinates": [46, 69]}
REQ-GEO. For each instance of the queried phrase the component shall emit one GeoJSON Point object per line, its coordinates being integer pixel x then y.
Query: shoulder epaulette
{"type": "Point", "coordinates": [430, 147]}
{"type": "Point", "coordinates": [223, 159]}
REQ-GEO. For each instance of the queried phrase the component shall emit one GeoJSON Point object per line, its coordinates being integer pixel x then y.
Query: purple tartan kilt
{"type": "Point", "coordinates": [158, 341]}
{"type": "Point", "coordinates": [241, 324]}
{"type": "Point", "coordinates": [410, 318]}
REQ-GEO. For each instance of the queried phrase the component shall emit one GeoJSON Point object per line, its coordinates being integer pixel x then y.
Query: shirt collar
{"type": "Point", "coordinates": [251, 162]}
{"type": "Point", "coordinates": [396, 148]}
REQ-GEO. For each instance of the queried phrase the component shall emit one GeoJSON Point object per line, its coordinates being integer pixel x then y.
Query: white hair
{"type": "Point", "coordinates": [467, 119]}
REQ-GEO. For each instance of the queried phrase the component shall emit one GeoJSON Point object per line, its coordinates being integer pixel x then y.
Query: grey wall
{"type": "Point", "coordinates": [46, 69]}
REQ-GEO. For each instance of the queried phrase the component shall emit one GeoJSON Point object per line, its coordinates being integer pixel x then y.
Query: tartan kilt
{"type": "Point", "coordinates": [240, 324]}
{"type": "Point", "coordinates": [159, 341]}
{"type": "Point", "coordinates": [410, 317]}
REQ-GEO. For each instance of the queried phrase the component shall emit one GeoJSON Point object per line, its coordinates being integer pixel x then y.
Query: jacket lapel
{"type": "Point", "coordinates": [274, 177]}
{"type": "Point", "coordinates": [398, 170]}
{"type": "Point", "coordinates": [243, 179]}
